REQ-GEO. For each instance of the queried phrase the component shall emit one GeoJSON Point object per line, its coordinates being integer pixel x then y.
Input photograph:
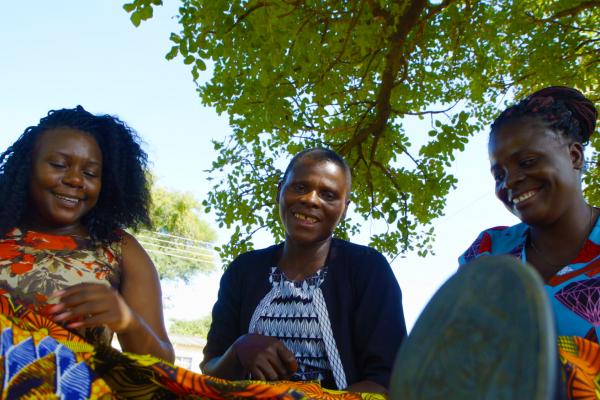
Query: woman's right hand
{"type": "Point", "coordinates": [265, 358]}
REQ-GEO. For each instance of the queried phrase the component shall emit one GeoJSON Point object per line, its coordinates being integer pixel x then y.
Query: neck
{"type": "Point", "coordinates": [552, 247]}
{"type": "Point", "coordinates": [299, 260]}
{"type": "Point", "coordinates": [30, 224]}
{"type": "Point", "coordinates": [567, 235]}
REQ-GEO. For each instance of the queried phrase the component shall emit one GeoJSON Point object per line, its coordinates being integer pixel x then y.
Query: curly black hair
{"type": "Point", "coordinates": [124, 198]}
{"type": "Point", "coordinates": [563, 109]}
{"type": "Point", "coordinates": [320, 154]}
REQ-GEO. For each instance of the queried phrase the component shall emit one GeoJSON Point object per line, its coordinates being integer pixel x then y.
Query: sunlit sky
{"type": "Point", "coordinates": [62, 53]}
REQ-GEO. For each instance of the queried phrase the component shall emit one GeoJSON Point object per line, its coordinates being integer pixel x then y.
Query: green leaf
{"type": "Point", "coordinates": [136, 18]}
{"type": "Point", "coordinates": [129, 7]}
{"type": "Point", "coordinates": [172, 53]}
{"type": "Point", "coordinates": [332, 73]}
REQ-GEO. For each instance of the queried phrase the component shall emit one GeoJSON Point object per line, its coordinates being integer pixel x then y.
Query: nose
{"type": "Point", "coordinates": [512, 179]}
{"type": "Point", "coordinates": [73, 177]}
{"type": "Point", "coordinates": [508, 184]}
{"type": "Point", "coordinates": [310, 198]}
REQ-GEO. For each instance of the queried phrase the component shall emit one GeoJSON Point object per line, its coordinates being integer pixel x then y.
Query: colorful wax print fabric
{"type": "Point", "coordinates": [34, 265]}
{"type": "Point", "coordinates": [41, 360]}
{"type": "Point", "coordinates": [580, 359]}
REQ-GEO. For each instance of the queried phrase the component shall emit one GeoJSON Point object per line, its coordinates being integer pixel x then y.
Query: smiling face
{"type": "Point", "coordinates": [537, 172]}
{"type": "Point", "coordinates": [65, 183]}
{"type": "Point", "coordinates": [313, 200]}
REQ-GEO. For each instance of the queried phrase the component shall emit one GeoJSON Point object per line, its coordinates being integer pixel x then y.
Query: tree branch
{"type": "Point", "coordinates": [569, 12]}
{"type": "Point", "coordinates": [245, 15]}
{"type": "Point", "coordinates": [393, 60]}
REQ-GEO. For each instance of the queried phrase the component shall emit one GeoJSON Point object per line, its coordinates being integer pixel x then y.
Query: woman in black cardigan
{"type": "Point", "coordinates": [312, 307]}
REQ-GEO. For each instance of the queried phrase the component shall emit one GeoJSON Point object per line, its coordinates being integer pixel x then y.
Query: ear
{"type": "Point", "coordinates": [345, 209]}
{"type": "Point", "coordinates": [577, 155]}
{"type": "Point", "coordinates": [279, 186]}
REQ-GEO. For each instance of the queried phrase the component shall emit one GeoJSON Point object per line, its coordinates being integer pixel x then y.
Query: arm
{"type": "Point", "coordinates": [220, 359]}
{"type": "Point", "coordinates": [379, 326]}
{"type": "Point", "coordinates": [230, 351]}
{"type": "Point", "coordinates": [226, 366]}
{"type": "Point", "coordinates": [134, 312]}
{"type": "Point", "coordinates": [264, 358]}
{"type": "Point", "coordinates": [140, 288]}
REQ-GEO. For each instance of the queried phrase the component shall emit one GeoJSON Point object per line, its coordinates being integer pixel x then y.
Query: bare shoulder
{"type": "Point", "coordinates": [134, 255]}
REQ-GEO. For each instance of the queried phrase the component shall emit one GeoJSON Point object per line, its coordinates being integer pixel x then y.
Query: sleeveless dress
{"type": "Point", "coordinates": [34, 265]}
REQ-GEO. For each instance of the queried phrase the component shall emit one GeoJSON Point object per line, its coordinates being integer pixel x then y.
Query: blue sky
{"type": "Point", "coordinates": [60, 53]}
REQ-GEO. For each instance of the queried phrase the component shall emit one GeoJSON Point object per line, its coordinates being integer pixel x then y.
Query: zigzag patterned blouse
{"type": "Point", "coordinates": [295, 312]}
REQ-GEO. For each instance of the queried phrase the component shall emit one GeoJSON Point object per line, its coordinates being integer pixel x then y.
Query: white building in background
{"type": "Point", "coordinates": [188, 351]}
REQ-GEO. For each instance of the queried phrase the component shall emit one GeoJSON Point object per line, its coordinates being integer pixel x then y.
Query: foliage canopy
{"type": "Point", "coordinates": [350, 75]}
{"type": "Point", "coordinates": [195, 327]}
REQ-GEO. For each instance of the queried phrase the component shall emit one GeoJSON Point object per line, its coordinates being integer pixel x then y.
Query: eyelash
{"type": "Point", "coordinates": [528, 162]}
{"type": "Point", "coordinates": [62, 166]}
{"type": "Point", "coordinates": [329, 196]}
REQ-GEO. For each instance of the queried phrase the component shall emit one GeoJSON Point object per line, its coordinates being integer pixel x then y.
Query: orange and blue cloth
{"type": "Point", "coordinates": [41, 360]}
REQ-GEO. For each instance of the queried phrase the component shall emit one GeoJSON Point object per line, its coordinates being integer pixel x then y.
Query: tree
{"type": "Point", "coordinates": [351, 74]}
{"type": "Point", "coordinates": [194, 327]}
{"type": "Point", "coordinates": [180, 244]}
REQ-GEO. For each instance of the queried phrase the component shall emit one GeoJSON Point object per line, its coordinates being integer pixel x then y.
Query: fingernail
{"type": "Point", "coordinates": [53, 309]}
{"type": "Point", "coordinates": [62, 316]}
{"type": "Point", "coordinates": [75, 325]}
{"type": "Point", "coordinates": [58, 293]}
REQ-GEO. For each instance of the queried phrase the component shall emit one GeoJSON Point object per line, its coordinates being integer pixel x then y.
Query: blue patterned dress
{"type": "Point", "coordinates": [574, 291]}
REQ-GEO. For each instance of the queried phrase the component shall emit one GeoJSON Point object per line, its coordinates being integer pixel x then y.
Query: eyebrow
{"type": "Point", "coordinates": [92, 161]}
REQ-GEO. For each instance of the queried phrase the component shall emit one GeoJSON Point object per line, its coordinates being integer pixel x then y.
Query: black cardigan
{"type": "Point", "coordinates": [363, 300]}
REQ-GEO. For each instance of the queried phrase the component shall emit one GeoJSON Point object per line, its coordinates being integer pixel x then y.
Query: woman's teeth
{"type": "Point", "coordinates": [523, 197]}
{"type": "Point", "coordinates": [69, 199]}
{"type": "Point", "coordinates": [305, 217]}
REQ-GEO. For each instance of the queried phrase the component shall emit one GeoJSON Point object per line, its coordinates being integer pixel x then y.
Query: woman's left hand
{"type": "Point", "coordinates": [92, 304]}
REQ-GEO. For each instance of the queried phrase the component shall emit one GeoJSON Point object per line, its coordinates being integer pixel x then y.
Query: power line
{"type": "Point", "coordinates": [176, 256]}
{"type": "Point", "coordinates": [208, 244]}
{"type": "Point", "coordinates": [175, 249]}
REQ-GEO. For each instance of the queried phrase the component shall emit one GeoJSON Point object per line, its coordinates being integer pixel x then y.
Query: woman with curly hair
{"type": "Point", "coordinates": [68, 188]}
{"type": "Point", "coordinates": [70, 276]}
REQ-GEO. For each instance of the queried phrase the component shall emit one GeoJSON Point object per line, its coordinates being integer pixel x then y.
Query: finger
{"type": "Point", "coordinates": [288, 359]}
{"type": "Point", "coordinates": [268, 371]}
{"type": "Point", "coordinates": [56, 308]}
{"type": "Point", "coordinates": [279, 367]}
{"type": "Point", "coordinates": [71, 289]}
{"type": "Point", "coordinates": [256, 374]}
{"type": "Point", "coordinates": [82, 310]}
{"type": "Point", "coordinates": [89, 321]}
{"type": "Point", "coordinates": [88, 295]}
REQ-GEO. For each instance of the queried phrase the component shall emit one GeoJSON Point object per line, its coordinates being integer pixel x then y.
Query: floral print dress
{"type": "Point", "coordinates": [34, 265]}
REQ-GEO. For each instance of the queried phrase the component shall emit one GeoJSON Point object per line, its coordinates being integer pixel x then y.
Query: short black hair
{"type": "Point", "coordinates": [563, 109]}
{"type": "Point", "coordinates": [124, 198]}
{"type": "Point", "coordinates": [320, 154]}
